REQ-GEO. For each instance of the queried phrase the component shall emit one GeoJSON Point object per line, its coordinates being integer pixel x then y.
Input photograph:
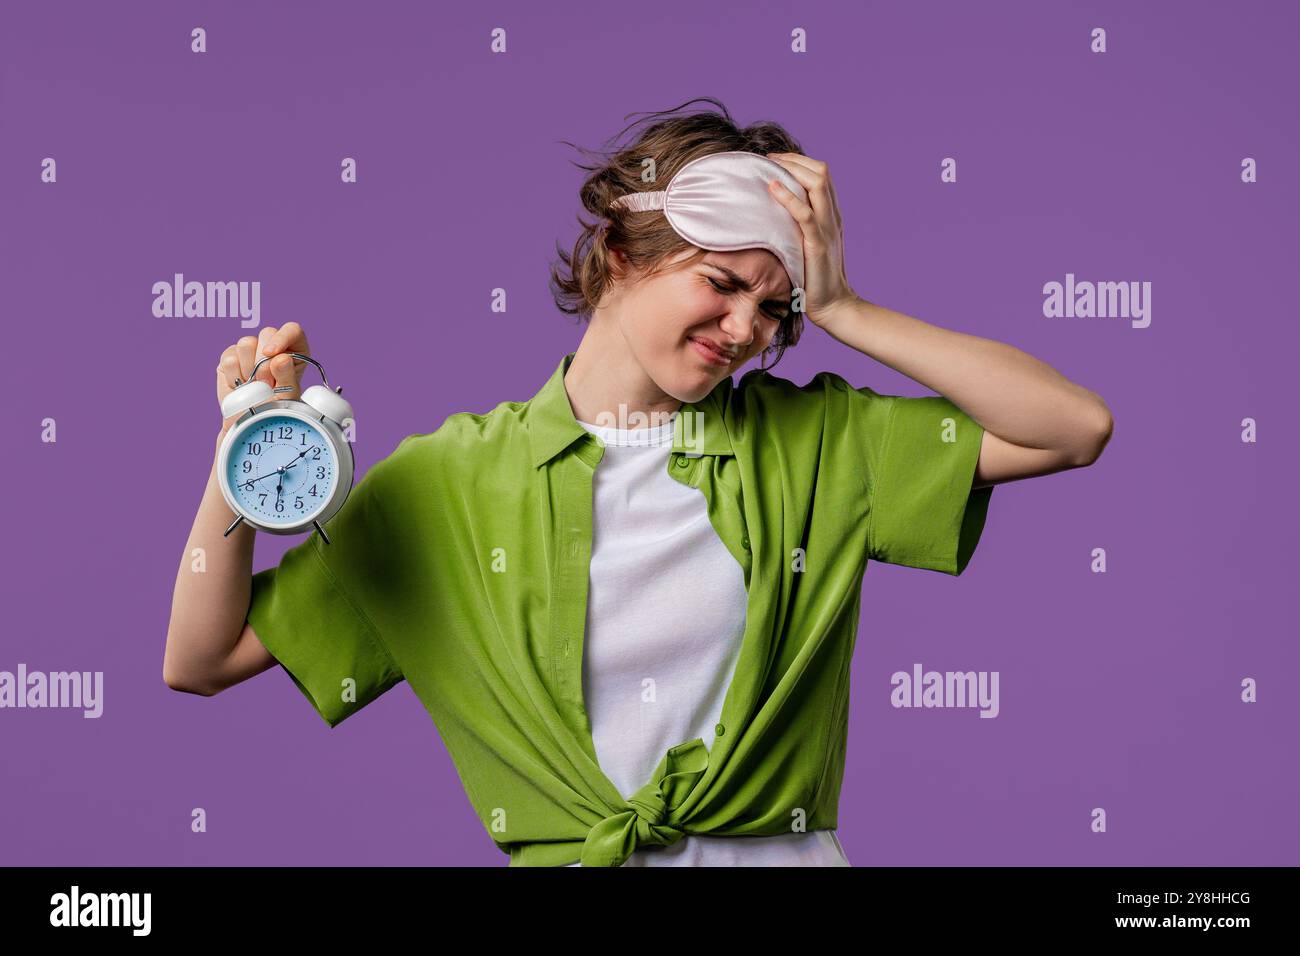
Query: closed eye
{"type": "Point", "coordinates": [779, 314]}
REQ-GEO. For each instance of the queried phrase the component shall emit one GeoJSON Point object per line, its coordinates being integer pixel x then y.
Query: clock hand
{"type": "Point", "coordinates": [271, 474]}
{"type": "Point", "coordinates": [249, 483]}
{"type": "Point", "coordinates": [299, 457]}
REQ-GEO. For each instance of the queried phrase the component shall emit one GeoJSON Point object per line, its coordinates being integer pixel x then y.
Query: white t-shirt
{"type": "Point", "coordinates": [657, 660]}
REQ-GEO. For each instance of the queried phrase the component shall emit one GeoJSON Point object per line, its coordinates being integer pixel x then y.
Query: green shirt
{"type": "Point", "coordinates": [459, 564]}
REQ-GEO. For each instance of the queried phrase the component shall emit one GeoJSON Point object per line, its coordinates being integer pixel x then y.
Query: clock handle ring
{"type": "Point", "coordinates": [266, 358]}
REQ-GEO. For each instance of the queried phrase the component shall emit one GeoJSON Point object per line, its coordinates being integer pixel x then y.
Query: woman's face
{"type": "Point", "coordinates": [733, 300]}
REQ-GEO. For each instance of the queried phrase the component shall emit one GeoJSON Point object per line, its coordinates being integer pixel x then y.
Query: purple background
{"type": "Point", "coordinates": [1118, 690]}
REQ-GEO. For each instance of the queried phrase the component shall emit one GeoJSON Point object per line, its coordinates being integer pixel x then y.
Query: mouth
{"type": "Point", "coordinates": [711, 353]}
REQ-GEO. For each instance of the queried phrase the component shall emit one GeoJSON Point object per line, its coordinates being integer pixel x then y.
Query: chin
{"type": "Point", "coordinates": [695, 384]}
{"type": "Point", "coordinates": [686, 384]}
{"type": "Point", "coordinates": [686, 378]}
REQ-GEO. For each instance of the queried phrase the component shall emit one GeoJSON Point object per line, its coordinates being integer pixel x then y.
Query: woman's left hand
{"type": "Point", "coordinates": [826, 287]}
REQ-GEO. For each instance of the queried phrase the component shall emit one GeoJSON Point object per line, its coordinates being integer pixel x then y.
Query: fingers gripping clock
{"type": "Point", "coordinates": [286, 465]}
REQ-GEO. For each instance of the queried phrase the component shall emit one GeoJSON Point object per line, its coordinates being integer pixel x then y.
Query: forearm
{"type": "Point", "coordinates": [213, 585]}
{"type": "Point", "coordinates": [1007, 391]}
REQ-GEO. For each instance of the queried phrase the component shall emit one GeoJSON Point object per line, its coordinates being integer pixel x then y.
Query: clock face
{"type": "Point", "coordinates": [281, 470]}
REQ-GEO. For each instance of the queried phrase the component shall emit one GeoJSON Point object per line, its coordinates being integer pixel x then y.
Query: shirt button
{"type": "Point", "coordinates": [744, 542]}
{"type": "Point", "coordinates": [682, 462]}
{"type": "Point", "coordinates": [719, 730]}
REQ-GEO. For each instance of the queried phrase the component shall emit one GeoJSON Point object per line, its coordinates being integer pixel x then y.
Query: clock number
{"type": "Point", "coordinates": [276, 435]}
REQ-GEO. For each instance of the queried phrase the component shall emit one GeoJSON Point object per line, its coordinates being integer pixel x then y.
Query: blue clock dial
{"type": "Point", "coordinates": [281, 470]}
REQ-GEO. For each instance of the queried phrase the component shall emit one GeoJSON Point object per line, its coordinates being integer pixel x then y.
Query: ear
{"type": "Point", "coordinates": [618, 265]}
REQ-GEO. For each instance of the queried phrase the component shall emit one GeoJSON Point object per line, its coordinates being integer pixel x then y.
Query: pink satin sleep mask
{"type": "Point", "coordinates": [721, 202]}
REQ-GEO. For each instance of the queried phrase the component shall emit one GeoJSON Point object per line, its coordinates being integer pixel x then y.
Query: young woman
{"type": "Point", "coordinates": [629, 604]}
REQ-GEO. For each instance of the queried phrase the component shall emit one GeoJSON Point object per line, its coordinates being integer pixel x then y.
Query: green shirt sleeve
{"type": "Point", "coordinates": [308, 611]}
{"type": "Point", "coordinates": [920, 458]}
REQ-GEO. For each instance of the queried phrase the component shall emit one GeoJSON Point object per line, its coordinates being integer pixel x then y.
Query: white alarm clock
{"type": "Point", "coordinates": [286, 466]}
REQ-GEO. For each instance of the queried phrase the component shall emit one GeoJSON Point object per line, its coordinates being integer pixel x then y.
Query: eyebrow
{"type": "Point", "coordinates": [740, 281]}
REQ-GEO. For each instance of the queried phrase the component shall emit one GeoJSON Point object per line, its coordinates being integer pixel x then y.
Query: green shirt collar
{"type": "Point", "coordinates": [552, 426]}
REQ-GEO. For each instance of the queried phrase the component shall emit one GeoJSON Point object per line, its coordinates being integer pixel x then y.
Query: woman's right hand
{"type": "Point", "coordinates": [238, 360]}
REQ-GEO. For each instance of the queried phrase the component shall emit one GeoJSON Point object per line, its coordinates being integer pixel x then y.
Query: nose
{"type": "Point", "coordinates": [742, 325]}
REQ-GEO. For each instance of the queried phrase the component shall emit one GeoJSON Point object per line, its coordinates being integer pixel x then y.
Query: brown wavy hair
{"type": "Point", "coordinates": [672, 138]}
